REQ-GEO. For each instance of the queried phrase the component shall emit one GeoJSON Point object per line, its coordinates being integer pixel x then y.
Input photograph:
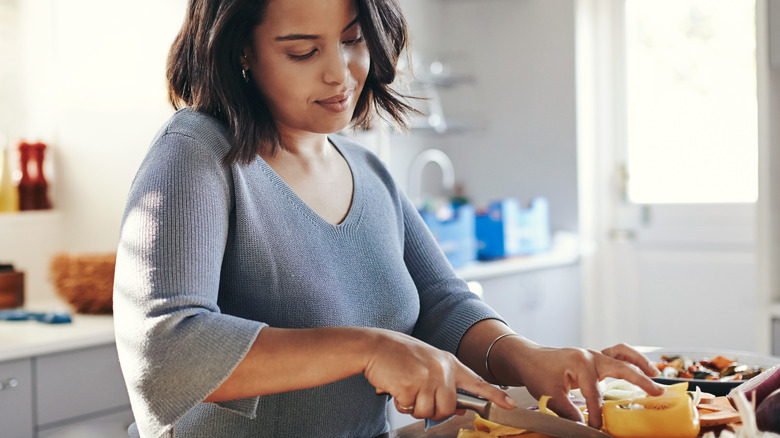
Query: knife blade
{"type": "Point", "coordinates": [526, 419]}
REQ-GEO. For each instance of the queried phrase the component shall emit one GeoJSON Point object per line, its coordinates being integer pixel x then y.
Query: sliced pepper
{"type": "Point", "coordinates": [671, 415]}
{"type": "Point", "coordinates": [494, 429]}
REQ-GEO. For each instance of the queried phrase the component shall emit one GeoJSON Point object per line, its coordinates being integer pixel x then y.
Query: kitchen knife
{"type": "Point", "coordinates": [527, 419]}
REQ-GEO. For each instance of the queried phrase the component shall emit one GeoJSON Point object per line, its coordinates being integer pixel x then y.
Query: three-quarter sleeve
{"type": "Point", "coordinates": [447, 307]}
{"type": "Point", "coordinates": [175, 346]}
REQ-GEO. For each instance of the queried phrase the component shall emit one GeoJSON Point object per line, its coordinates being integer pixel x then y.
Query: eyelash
{"type": "Point", "coordinates": [350, 43]}
{"type": "Point", "coordinates": [355, 42]}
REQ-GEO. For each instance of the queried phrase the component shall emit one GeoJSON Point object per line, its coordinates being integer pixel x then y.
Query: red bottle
{"type": "Point", "coordinates": [33, 187]}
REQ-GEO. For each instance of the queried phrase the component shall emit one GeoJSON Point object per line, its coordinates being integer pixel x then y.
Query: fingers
{"type": "Point", "coordinates": [626, 353]}
{"type": "Point", "coordinates": [593, 401]}
{"type": "Point", "coordinates": [479, 387]}
{"type": "Point", "coordinates": [563, 406]}
{"type": "Point", "coordinates": [622, 370]}
{"type": "Point", "coordinates": [403, 407]}
{"type": "Point", "coordinates": [624, 364]}
{"type": "Point", "coordinates": [439, 401]}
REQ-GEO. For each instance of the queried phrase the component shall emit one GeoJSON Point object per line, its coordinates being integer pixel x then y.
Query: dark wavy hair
{"type": "Point", "coordinates": [204, 70]}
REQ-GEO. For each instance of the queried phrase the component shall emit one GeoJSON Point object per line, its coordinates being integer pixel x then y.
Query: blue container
{"type": "Point", "coordinates": [505, 229]}
{"type": "Point", "coordinates": [454, 230]}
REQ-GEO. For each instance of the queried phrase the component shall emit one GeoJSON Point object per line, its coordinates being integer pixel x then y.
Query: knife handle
{"type": "Point", "coordinates": [477, 404]}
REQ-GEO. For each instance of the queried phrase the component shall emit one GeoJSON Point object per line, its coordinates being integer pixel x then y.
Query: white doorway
{"type": "Point", "coordinates": [668, 171]}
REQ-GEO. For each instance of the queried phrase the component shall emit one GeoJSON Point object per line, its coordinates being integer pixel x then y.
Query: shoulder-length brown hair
{"type": "Point", "coordinates": [204, 70]}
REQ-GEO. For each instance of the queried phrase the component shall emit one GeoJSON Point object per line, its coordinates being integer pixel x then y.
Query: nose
{"type": "Point", "coordinates": [336, 70]}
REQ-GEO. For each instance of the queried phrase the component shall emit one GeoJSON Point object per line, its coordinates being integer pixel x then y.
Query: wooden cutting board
{"type": "Point", "coordinates": [715, 419]}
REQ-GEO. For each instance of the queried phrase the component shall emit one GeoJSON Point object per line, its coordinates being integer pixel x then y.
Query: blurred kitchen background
{"type": "Point", "coordinates": [628, 148]}
{"type": "Point", "coordinates": [649, 128]}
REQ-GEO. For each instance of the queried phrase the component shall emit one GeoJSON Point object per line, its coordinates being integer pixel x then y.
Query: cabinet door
{"type": "Point", "coordinates": [16, 407]}
{"type": "Point", "coordinates": [79, 383]}
{"type": "Point", "coordinates": [544, 305]}
{"type": "Point", "coordinates": [107, 426]}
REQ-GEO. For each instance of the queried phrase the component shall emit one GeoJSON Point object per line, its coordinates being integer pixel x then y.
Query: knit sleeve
{"type": "Point", "coordinates": [447, 307]}
{"type": "Point", "coordinates": [175, 347]}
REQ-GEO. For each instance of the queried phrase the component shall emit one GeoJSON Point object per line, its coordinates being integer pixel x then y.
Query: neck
{"type": "Point", "coordinates": [305, 145]}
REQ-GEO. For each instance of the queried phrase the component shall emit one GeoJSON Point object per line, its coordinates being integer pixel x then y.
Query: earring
{"type": "Point", "coordinates": [244, 75]}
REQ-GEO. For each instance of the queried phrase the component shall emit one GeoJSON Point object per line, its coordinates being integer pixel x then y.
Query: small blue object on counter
{"type": "Point", "coordinates": [453, 227]}
{"type": "Point", "coordinates": [505, 229]}
{"type": "Point", "coordinates": [45, 317]}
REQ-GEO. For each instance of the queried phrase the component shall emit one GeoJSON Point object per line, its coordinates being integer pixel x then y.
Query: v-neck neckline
{"type": "Point", "coordinates": [355, 204]}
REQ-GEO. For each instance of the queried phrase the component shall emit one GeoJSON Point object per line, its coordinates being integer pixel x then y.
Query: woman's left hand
{"type": "Point", "coordinates": [555, 371]}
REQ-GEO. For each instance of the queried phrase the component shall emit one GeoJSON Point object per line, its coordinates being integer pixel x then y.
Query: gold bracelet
{"type": "Point", "coordinates": [487, 357]}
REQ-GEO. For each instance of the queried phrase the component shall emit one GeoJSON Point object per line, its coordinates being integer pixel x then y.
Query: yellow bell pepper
{"type": "Point", "coordinates": [670, 415]}
{"type": "Point", "coordinates": [484, 428]}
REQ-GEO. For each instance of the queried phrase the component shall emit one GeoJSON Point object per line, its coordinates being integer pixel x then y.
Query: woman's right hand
{"type": "Point", "coordinates": [423, 379]}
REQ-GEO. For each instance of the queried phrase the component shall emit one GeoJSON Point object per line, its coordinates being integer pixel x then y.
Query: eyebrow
{"type": "Point", "coordinates": [298, 36]}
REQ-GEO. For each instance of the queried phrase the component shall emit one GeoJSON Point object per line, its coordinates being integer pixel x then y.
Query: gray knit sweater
{"type": "Point", "coordinates": [210, 254]}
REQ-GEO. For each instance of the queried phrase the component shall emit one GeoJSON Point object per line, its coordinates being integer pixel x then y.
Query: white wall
{"type": "Point", "coordinates": [519, 106]}
{"type": "Point", "coordinates": [94, 89]}
{"type": "Point", "coordinates": [110, 100]}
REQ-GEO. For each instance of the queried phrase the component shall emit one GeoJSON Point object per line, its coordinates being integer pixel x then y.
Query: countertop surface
{"type": "Point", "coordinates": [565, 250]}
{"type": "Point", "coordinates": [23, 339]}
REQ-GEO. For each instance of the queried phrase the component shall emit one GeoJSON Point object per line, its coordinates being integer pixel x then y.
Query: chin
{"type": "Point", "coordinates": [330, 128]}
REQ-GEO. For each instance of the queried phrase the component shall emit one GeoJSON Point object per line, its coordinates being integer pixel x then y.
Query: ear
{"type": "Point", "coordinates": [247, 56]}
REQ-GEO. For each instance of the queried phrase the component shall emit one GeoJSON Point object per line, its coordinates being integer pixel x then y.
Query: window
{"type": "Point", "coordinates": [691, 126]}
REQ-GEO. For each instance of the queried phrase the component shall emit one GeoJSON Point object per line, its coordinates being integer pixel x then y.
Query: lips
{"type": "Point", "coordinates": [337, 103]}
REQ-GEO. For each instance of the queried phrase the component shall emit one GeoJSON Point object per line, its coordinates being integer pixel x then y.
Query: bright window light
{"type": "Point", "coordinates": [691, 101]}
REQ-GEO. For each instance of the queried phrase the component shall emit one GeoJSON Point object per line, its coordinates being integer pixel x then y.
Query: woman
{"type": "Point", "coordinates": [272, 280]}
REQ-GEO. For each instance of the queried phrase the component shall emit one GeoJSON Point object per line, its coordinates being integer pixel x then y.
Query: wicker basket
{"type": "Point", "coordinates": [85, 281]}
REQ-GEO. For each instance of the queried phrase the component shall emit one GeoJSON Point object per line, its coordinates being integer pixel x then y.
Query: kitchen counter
{"type": "Point", "coordinates": [75, 362]}
{"type": "Point", "coordinates": [20, 339]}
{"type": "Point", "coordinates": [565, 250]}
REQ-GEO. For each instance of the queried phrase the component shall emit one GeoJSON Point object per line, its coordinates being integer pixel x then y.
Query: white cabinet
{"type": "Point", "coordinates": [106, 426]}
{"type": "Point", "coordinates": [16, 389]}
{"type": "Point", "coordinates": [542, 305]}
{"type": "Point", "coordinates": [76, 384]}
{"type": "Point", "coordinates": [70, 394]}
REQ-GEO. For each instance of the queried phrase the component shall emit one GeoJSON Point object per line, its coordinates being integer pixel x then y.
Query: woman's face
{"type": "Point", "coordinates": [310, 62]}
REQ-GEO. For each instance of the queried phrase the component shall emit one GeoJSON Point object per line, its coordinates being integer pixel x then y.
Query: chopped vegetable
{"type": "Point", "coordinates": [484, 428]}
{"type": "Point", "coordinates": [720, 368]}
{"type": "Point", "coordinates": [543, 406]}
{"type": "Point", "coordinates": [488, 429]}
{"type": "Point", "coordinates": [758, 388]}
{"type": "Point", "coordinates": [746, 411]}
{"type": "Point", "coordinates": [672, 414]}
{"type": "Point", "coordinates": [768, 413]}
{"type": "Point", "coordinates": [614, 389]}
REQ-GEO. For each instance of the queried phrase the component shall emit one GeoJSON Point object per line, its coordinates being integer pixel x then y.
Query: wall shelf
{"type": "Point", "coordinates": [29, 217]}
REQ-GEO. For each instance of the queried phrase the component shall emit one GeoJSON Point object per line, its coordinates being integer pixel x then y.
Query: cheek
{"type": "Point", "coordinates": [278, 82]}
{"type": "Point", "coordinates": [360, 65]}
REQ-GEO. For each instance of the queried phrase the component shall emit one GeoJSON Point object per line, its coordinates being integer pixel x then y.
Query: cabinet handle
{"type": "Point", "coordinates": [9, 383]}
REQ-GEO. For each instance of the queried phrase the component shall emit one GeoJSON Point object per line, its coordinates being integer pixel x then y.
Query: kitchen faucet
{"type": "Point", "coordinates": [418, 165]}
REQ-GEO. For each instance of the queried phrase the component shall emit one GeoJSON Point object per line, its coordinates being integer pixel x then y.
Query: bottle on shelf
{"type": "Point", "coordinates": [33, 187]}
{"type": "Point", "coordinates": [9, 199]}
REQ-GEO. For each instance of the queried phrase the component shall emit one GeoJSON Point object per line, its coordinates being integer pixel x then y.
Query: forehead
{"type": "Point", "coordinates": [313, 17]}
